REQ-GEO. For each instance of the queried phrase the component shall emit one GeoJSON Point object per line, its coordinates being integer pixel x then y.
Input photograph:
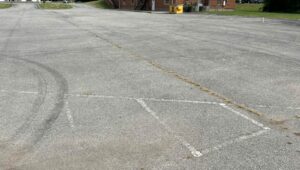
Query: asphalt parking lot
{"type": "Point", "coordinates": [104, 89]}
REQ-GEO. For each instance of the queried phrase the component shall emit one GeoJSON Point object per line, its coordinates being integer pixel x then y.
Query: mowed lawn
{"type": "Point", "coordinates": [51, 5]}
{"type": "Point", "coordinates": [99, 4]}
{"type": "Point", "coordinates": [4, 5]}
{"type": "Point", "coordinates": [255, 10]}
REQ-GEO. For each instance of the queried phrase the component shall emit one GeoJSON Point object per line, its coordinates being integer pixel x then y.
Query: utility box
{"type": "Point", "coordinates": [199, 7]}
{"type": "Point", "coordinates": [176, 9]}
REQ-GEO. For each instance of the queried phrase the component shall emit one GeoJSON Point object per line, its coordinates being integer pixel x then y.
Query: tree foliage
{"type": "Point", "coordinates": [282, 5]}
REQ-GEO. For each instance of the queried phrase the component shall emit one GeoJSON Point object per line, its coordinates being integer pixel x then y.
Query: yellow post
{"type": "Point", "coordinates": [176, 9]}
{"type": "Point", "coordinates": [179, 9]}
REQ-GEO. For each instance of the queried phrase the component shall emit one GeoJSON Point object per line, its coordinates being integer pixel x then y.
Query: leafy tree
{"type": "Point", "coordinates": [282, 5]}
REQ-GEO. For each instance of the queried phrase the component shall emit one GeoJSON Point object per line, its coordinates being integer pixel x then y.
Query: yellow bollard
{"type": "Point", "coordinates": [176, 9]}
{"type": "Point", "coordinates": [179, 9]}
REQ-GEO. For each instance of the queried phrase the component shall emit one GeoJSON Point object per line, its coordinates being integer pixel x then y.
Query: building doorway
{"type": "Point", "coordinates": [143, 5]}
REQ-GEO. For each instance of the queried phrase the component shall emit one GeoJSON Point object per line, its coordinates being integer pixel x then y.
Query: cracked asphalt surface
{"type": "Point", "coordinates": [104, 89]}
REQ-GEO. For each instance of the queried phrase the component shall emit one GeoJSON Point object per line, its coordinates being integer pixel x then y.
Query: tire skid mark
{"type": "Point", "coordinates": [12, 31]}
{"type": "Point", "coordinates": [32, 132]}
{"type": "Point", "coordinates": [60, 97]}
{"type": "Point", "coordinates": [12, 151]}
{"type": "Point", "coordinates": [10, 148]}
{"type": "Point", "coordinates": [41, 95]}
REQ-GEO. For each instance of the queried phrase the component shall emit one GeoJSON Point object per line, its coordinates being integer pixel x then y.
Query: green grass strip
{"type": "Point", "coordinates": [99, 4]}
{"type": "Point", "coordinates": [255, 10]}
{"type": "Point", "coordinates": [5, 5]}
{"type": "Point", "coordinates": [51, 5]}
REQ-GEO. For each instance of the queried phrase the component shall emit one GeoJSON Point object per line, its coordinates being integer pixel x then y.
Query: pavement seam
{"type": "Point", "coordinates": [175, 74]}
{"type": "Point", "coordinates": [170, 72]}
{"type": "Point", "coordinates": [201, 87]}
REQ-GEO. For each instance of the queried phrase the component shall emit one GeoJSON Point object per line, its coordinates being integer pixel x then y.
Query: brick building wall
{"type": "Point", "coordinates": [230, 4]}
{"type": "Point", "coordinates": [164, 4]}
{"type": "Point", "coordinates": [127, 4]}
{"type": "Point", "coordinates": [161, 5]}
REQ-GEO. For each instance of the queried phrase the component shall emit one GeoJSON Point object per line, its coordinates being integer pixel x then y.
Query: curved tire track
{"type": "Point", "coordinates": [28, 136]}
{"type": "Point", "coordinates": [38, 102]}
{"type": "Point", "coordinates": [62, 85]}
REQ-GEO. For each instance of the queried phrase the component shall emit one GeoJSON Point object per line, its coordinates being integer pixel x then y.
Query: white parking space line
{"type": "Point", "coordinates": [100, 96]}
{"type": "Point", "coordinates": [233, 141]}
{"type": "Point", "coordinates": [191, 148]}
{"type": "Point", "coordinates": [17, 91]}
{"type": "Point", "coordinates": [241, 138]}
{"type": "Point", "coordinates": [149, 99]}
{"type": "Point", "coordinates": [141, 101]}
{"type": "Point", "coordinates": [68, 110]}
{"type": "Point", "coordinates": [180, 101]}
{"type": "Point", "coordinates": [118, 97]}
{"type": "Point", "coordinates": [69, 114]}
{"type": "Point", "coordinates": [244, 116]}
{"type": "Point", "coordinates": [276, 107]}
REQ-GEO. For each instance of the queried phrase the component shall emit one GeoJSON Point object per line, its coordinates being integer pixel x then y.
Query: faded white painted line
{"type": "Point", "coordinates": [294, 108]}
{"type": "Point", "coordinates": [20, 92]}
{"type": "Point", "coordinates": [240, 138]}
{"type": "Point", "coordinates": [68, 111]}
{"type": "Point", "coordinates": [244, 116]}
{"type": "Point", "coordinates": [121, 97]}
{"type": "Point", "coordinates": [149, 99]}
{"type": "Point", "coordinates": [69, 114]}
{"type": "Point", "coordinates": [192, 149]}
{"type": "Point", "coordinates": [100, 96]}
{"type": "Point", "coordinates": [266, 106]}
{"type": "Point", "coordinates": [233, 141]}
{"type": "Point", "coordinates": [180, 101]}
